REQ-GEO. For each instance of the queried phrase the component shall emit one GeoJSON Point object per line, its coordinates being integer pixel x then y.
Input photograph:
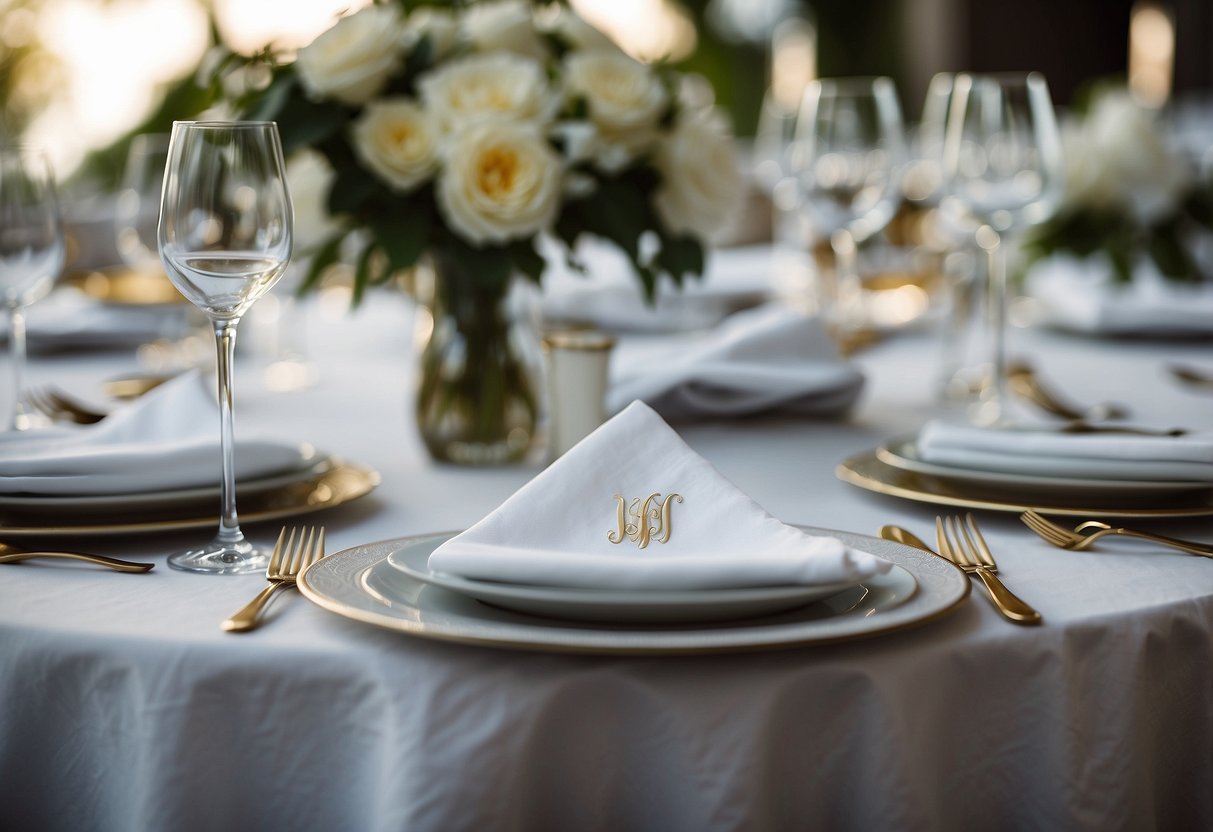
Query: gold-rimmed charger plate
{"type": "Point", "coordinates": [867, 471]}
{"type": "Point", "coordinates": [126, 287]}
{"type": "Point", "coordinates": [332, 485]}
{"type": "Point", "coordinates": [923, 587]}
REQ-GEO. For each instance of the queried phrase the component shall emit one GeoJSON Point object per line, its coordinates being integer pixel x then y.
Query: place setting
{"type": "Point", "coordinates": [648, 551]}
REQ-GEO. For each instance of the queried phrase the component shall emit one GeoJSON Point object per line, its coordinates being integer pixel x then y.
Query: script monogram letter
{"type": "Point", "coordinates": [643, 520]}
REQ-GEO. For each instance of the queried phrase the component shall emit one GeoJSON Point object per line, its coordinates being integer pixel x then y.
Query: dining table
{"type": "Point", "coordinates": [127, 707]}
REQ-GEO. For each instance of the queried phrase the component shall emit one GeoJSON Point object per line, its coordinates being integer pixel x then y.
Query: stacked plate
{"type": "Point", "coordinates": [897, 468]}
{"type": "Point", "coordinates": [389, 584]}
{"type": "Point", "coordinates": [317, 481]}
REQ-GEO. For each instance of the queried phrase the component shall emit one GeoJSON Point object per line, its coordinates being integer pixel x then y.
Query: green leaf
{"type": "Point", "coordinates": [273, 99]}
{"type": "Point", "coordinates": [527, 260]}
{"type": "Point", "coordinates": [325, 256]}
{"type": "Point", "coordinates": [680, 256]}
{"type": "Point", "coordinates": [303, 122]}
{"type": "Point", "coordinates": [362, 274]}
{"type": "Point", "coordinates": [403, 235]}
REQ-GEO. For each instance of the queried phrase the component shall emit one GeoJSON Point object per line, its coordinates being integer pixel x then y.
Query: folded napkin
{"type": "Point", "coordinates": [554, 530]}
{"type": "Point", "coordinates": [609, 296]}
{"type": "Point", "coordinates": [1081, 295]}
{"type": "Point", "coordinates": [169, 438]}
{"type": "Point", "coordinates": [764, 359]}
{"type": "Point", "coordinates": [69, 319]}
{"type": "Point", "coordinates": [1050, 453]}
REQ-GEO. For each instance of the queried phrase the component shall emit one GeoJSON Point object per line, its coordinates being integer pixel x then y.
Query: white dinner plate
{"type": "Point", "coordinates": [310, 464]}
{"type": "Point", "coordinates": [903, 453]}
{"type": "Point", "coordinates": [921, 587]}
{"type": "Point", "coordinates": [620, 606]}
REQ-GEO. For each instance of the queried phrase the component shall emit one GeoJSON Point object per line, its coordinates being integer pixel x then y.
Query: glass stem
{"type": "Point", "coordinates": [225, 343]}
{"type": "Point", "coordinates": [846, 305]}
{"type": "Point", "coordinates": [16, 330]}
{"type": "Point", "coordinates": [996, 314]}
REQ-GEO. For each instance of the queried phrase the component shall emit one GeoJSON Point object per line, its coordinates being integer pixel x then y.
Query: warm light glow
{"type": "Point", "coordinates": [648, 30]}
{"type": "Point", "coordinates": [288, 24]}
{"type": "Point", "coordinates": [793, 62]}
{"type": "Point", "coordinates": [1151, 54]}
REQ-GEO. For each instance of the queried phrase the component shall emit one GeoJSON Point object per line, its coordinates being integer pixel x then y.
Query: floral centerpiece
{"type": "Point", "coordinates": [462, 139]}
{"type": "Point", "coordinates": [1130, 197]}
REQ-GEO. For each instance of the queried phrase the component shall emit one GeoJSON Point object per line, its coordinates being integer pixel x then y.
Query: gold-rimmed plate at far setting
{"type": "Point", "coordinates": [121, 286]}
{"type": "Point", "coordinates": [869, 472]}
{"type": "Point", "coordinates": [329, 484]}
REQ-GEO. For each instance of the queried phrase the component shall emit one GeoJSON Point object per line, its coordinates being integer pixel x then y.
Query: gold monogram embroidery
{"type": "Point", "coordinates": [644, 520]}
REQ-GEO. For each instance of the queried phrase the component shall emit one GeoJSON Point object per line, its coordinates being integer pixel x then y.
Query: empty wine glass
{"type": "Point", "coordinates": [137, 210]}
{"type": "Point", "coordinates": [1002, 168]}
{"type": "Point", "coordinates": [225, 239]}
{"type": "Point", "coordinates": [31, 252]}
{"type": "Point", "coordinates": [847, 156]}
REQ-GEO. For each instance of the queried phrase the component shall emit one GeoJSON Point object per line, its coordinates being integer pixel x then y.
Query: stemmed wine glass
{"type": "Point", "coordinates": [1003, 173]}
{"type": "Point", "coordinates": [225, 239]}
{"type": "Point", "coordinates": [32, 252]}
{"type": "Point", "coordinates": [137, 210]}
{"type": "Point", "coordinates": [847, 156]}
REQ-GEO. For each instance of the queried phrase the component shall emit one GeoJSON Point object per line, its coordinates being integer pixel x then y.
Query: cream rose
{"type": "Point", "coordinates": [310, 178]}
{"type": "Point", "coordinates": [352, 61]}
{"type": "Point", "coordinates": [625, 99]}
{"type": "Point", "coordinates": [439, 25]}
{"type": "Point", "coordinates": [500, 182]}
{"type": "Point", "coordinates": [701, 184]}
{"type": "Point", "coordinates": [505, 25]}
{"type": "Point", "coordinates": [496, 86]}
{"type": "Point", "coordinates": [397, 140]}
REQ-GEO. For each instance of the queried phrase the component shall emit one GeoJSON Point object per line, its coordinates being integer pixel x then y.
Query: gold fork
{"type": "Point", "coordinates": [288, 559]}
{"type": "Point", "coordinates": [963, 544]}
{"type": "Point", "coordinates": [1084, 534]}
{"type": "Point", "coordinates": [57, 407]}
{"type": "Point", "coordinates": [1023, 380]}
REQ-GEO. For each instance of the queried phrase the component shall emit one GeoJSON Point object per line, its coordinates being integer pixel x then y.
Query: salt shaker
{"type": "Point", "coordinates": [578, 365]}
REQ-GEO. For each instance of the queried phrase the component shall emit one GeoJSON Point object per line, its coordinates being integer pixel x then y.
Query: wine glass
{"type": "Point", "coordinates": [225, 239]}
{"type": "Point", "coordinates": [1003, 173]}
{"type": "Point", "coordinates": [32, 252]}
{"type": "Point", "coordinates": [847, 156]}
{"type": "Point", "coordinates": [137, 210]}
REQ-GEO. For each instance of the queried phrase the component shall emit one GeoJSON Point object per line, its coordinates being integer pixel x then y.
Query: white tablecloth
{"type": "Point", "coordinates": [126, 708]}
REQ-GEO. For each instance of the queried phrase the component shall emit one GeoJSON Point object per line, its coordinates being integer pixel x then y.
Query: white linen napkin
{"type": "Point", "coordinates": [758, 360]}
{"type": "Point", "coordinates": [1050, 453]}
{"type": "Point", "coordinates": [167, 439]}
{"type": "Point", "coordinates": [609, 296]}
{"type": "Point", "coordinates": [1080, 295]}
{"type": "Point", "coordinates": [554, 530]}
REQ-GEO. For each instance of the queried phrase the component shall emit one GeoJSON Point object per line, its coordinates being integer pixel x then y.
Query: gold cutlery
{"type": "Point", "coordinates": [963, 544]}
{"type": "Point", "coordinates": [904, 536]}
{"type": "Point", "coordinates": [134, 386]}
{"type": "Point", "coordinates": [13, 554]}
{"type": "Point", "coordinates": [1191, 376]}
{"type": "Point", "coordinates": [59, 407]}
{"type": "Point", "coordinates": [288, 560]}
{"type": "Point", "coordinates": [1084, 534]}
{"type": "Point", "coordinates": [1024, 382]}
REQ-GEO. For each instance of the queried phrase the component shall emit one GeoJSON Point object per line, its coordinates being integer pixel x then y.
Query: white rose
{"type": "Point", "coordinates": [501, 181]}
{"type": "Point", "coordinates": [625, 100]}
{"type": "Point", "coordinates": [439, 25]}
{"type": "Point", "coordinates": [496, 86]}
{"type": "Point", "coordinates": [353, 60]}
{"type": "Point", "coordinates": [701, 184]}
{"type": "Point", "coordinates": [310, 177]}
{"type": "Point", "coordinates": [1119, 160]}
{"type": "Point", "coordinates": [398, 141]}
{"type": "Point", "coordinates": [506, 25]}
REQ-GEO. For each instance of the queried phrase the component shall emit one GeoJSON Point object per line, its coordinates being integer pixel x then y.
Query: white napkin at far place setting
{"type": "Point", "coordinates": [1081, 295]}
{"type": "Point", "coordinates": [771, 358]}
{"type": "Point", "coordinates": [1048, 452]}
{"type": "Point", "coordinates": [556, 529]}
{"type": "Point", "coordinates": [69, 319]}
{"type": "Point", "coordinates": [169, 438]}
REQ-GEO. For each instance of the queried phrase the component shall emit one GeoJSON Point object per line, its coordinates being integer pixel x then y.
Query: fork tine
{"type": "Point", "coordinates": [275, 565]}
{"type": "Point", "coordinates": [942, 543]}
{"type": "Point", "coordinates": [977, 543]}
{"type": "Point", "coordinates": [964, 553]}
{"type": "Point", "coordinates": [1047, 529]}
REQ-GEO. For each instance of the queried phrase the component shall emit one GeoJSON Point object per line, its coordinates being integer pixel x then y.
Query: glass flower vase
{"type": "Point", "coordinates": [479, 382]}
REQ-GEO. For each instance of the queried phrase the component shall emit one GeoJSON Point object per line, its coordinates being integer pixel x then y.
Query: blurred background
{"type": "Point", "coordinates": [81, 76]}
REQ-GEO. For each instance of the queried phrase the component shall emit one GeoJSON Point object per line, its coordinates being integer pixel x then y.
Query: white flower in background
{"type": "Point", "coordinates": [625, 99]}
{"type": "Point", "coordinates": [309, 177]}
{"type": "Point", "coordinates": [500, 182]}
{"type": "Point", "coordinates": [573, 29]}
{"type": "Point", "coordinates": [496, 86]}
{"type": "Point", "coordinates": [397, 140]}
{"type": "Point", "coordinates": [439, 25]}
{"type": "Point", "coordinates": [1117, 159]}
{"type": "Point", "coordinates": [353, 60]}
{"type": "Point", "coordinates": [702, 184]}
{"type": "Point", "coordinates": [506, 25]}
